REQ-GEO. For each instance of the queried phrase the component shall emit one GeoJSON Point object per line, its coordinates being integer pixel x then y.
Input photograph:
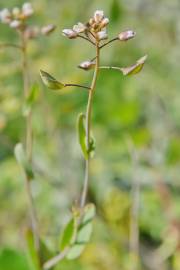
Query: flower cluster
{"type": "Point", "coordinates": [95, 29]}
{"type": "Point", "coordinates": [17, 17]}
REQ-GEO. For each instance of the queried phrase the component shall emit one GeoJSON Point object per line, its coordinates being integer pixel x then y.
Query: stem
{"type": "Point", "coordinates": [107, 43]}
{"type": "Point", "coordinates": [49, 264]}
{"type": "Point", "coordinates": [11, 45]}
{"type": "Point", "coordinates": [29, 142]}
{"type": "Point", "coordinates": [110, 67]}
{"type": "Point", "coordinates": [88, 126]}
{"type": "Point", "coordinates": [134, 213]}
{"type": "Point", "coordinates": [78, 85]}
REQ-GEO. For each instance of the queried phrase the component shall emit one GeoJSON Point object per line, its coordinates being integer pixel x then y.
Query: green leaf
{"type": "Point", "coordinates": [92, 146]}
{"type": "Point", "coordinates": [30, 100]}
{"type": "Point", "coordinates": [82, 134]}
{"type": "Point", "coordinates": [68, 234]}
{"type": "Point", "coordinates": [89, 213]}
{"type": "Point", "coordinates": [45, 252]}
{"type": "Point", "coordinates": [13, 260]}
{"type": "Point", "coordinates": [22, 160]}
{"type": "Point", "coordinates": [84, 232]}
{"type": "Point", "coordinates": [136, 68]}
{"type": "Point", "coordinates": [75, 251]}
{"type": "Point", "coordinates": [32, 254]}
{"type": "Point", "coordinates": [50, 81]}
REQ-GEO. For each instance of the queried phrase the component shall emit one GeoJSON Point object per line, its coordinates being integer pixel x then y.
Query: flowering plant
{"type": "Point", "coordinates": [78, 230]}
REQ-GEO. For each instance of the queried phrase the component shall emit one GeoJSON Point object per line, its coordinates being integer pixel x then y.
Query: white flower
{"type": "Point", "coordinates": [46, 30]}
{"type": "Point", "coordinates": [16, 11]}
{"type": "Point", "coordinates": [69, 33]}
{"type": "Point", "coordinates": [98, 16]}
{"type": "Point", "coordinates": [126, 35]}
{"type": "Point", "coordinates": [15, 24]}
{"type": "Point", "coordinates": [102, 35]}
{"type": "Point", "coordinates": [86, 65]}
{"type": "Point", "coordinates": [5, 15]}
{"type": "Point", "coordinates": [27, 9]}
{"type": "Point", "coordinates": [79, 28]}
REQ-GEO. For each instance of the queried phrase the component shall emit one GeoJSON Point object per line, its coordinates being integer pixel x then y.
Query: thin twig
{"type": "Point", "coordinates": [77, 85]}
{"type": "Point", "coordinates": [107, 43]}
{"type": "Point", "coordinates": [86, 39]}
{"type": "Point", "coordinates": [110, 67]}
{"type": "Point", "coordinates": [88, 127]}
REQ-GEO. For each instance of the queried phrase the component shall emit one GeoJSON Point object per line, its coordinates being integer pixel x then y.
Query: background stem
{"type": "Point", "coordinates": [29, 141]}
{"type": "Point", "coordinates": [88, 127]}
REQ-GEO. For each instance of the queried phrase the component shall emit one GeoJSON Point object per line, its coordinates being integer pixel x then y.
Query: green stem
{"type": "Point", "coordinates": [88, 126]}
{"type": "Point", "coordinates": [29, 142]}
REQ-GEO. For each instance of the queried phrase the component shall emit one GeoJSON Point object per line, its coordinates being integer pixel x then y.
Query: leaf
{"type": "Point", "coordinates": [50, 81]}
{"type": "Point", "coordinates": [89, 213]}
{"type": "Point", "coordinates": [22, 160]}
{"type": "Point", "coordinates": [136, 68]}
{"type": "Point", "coordinates": [82, 134]}
{"type": "Point", "coordinates": [68, 234]}
{"type": "Point", "coordinates": [45, 252]}
{"type": "Point", "coordinates": [75, 251]}
{"type": "Point", "coordinates": [92, 146]}
{"type": "Point", "coordinates": [30, 99]}
{"type": "Point", "coordinates": [32, 254]}
{"type": "Point", "coordinates": [83, 234]}
{"type": "Point", "coordinates": [13, 260]}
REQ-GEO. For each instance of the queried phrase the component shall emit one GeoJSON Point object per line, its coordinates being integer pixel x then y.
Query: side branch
{"type": "Point", "coordinates": [77, 85]}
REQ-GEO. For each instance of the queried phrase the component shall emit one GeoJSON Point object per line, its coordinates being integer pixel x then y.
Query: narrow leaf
{"type": "Point", "coordinates": [136, 68]}
{"type": "Point", "coordinates": [68, 234]}
{"type": "Point", "coordinates": [50, 81]}
{"type": "Point", "coordinates": [22, 160]}
{"type": "Point", "coordinates": [30, 100]}
{"type": "Point", "coordinates": [82, 134]}
{"type": "Point", "coordinates": [32, 254]}
{"type": "Point", "coordinates": [84, 233]}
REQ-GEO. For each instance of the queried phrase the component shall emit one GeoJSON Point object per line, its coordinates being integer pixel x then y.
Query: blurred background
{"type": "Point", "coordinates": [135, 123]}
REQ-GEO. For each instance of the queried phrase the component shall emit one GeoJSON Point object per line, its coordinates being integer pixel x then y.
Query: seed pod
{"type": "Point", "coordinates": [126, 35]}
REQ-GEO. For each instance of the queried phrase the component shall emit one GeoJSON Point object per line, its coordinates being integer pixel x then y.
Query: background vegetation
{"type": "Point", "coordinates": [143, 110]}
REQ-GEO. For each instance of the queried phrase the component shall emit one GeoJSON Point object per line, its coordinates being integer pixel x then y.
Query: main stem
{"type": "Point", "coordinates": [88, 126]}
{"type": "Point", "coordinates": [29, 141]}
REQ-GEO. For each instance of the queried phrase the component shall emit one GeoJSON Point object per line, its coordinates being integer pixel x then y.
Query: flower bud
{"type": "Point", "coordinates": [98, 16]}
{"type": "Point", "coordinates": [124, 36]}
{"type": "Point", "coordinates": [102, 35]}
{"type": "Point", "coordinates": [27, 9]}
{"type": "Point", "coordinates": [69, 33]}
{"type": "Point", "coordinates": [87, 65]}
{"type": "Point", "coordinates": [79, 28]}
{"type": "Point", "coordinates": [104, 22]}
{"type": "Point", "coordinates": [5, 16]}
{"type": "Point", "coordinates": [16, 12]}
{"type": "Point", "coordinates": [48, 29]}
{"type": "Point", "coordinates": [15, 24]}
